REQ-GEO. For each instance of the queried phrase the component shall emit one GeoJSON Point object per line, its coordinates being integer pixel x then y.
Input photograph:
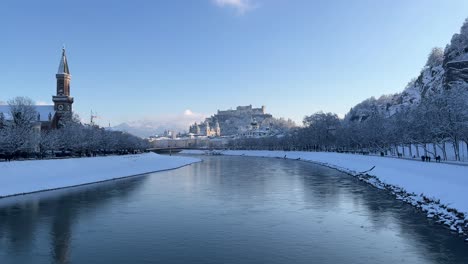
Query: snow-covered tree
{"type": "Point", "coordinates": [22, 110]}
{"type": "Point", "coordinates": [458, 47]}
{"type": "Point", "coordinates": [322, 129]}
{"type": "Point", "coordinates": [19, 134]}
{"type": "Point", "coordinates": [435, 58]}
{"type": "Point", "coordinates": [2, 120]}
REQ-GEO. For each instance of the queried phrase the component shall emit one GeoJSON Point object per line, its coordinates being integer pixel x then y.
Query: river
{"type": "Point", "coordinates": [224, 210]}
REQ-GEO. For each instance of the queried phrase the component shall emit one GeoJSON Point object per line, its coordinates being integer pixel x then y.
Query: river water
{"type": "Point", "coordinates": [224, 210]}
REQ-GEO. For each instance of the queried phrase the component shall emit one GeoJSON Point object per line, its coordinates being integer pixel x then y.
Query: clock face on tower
{"type": "Point", "coordinates": [60, 107]}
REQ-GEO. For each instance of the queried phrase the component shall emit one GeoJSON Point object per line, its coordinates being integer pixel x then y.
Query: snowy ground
{"type": "Point", "coordinates": [441, 190]}
{"type": "Point", "coordinates": [21, 177]}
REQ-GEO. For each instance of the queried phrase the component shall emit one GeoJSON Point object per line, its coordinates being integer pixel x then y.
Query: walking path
{"type": "Point", "coordinates": [451, 162]}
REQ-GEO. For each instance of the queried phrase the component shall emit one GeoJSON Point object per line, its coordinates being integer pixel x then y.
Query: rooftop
{"type": "Point", "coordinates": [42, 110]}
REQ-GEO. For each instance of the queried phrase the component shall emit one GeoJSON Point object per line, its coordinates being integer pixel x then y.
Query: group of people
{"type": "Point", "coordinates": [428, 158]}
{"type": "Point", "coordinates": [423, 158]}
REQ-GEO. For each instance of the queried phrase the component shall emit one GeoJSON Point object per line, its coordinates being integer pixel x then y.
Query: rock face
{"type": "Point", "coordinates": [456, 72]}
{"type": "Point", "coordinates": [444, 69]}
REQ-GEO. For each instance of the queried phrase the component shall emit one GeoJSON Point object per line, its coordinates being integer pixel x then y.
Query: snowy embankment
{"type": "Point", "coordinates": [441, 190]}
{"type": "Point", "coordinates": [21, 177]}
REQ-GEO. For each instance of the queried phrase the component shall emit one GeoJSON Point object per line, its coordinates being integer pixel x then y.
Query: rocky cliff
{"type": "Point", "coordinates": [443, 69]}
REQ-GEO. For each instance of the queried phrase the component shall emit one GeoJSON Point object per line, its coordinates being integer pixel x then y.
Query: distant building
{"type": "Point", "coordinates": [195, 129]}
{"type": "Point", "coordinates": [255, 131]}
{"type": "Point", "coordinates": [241, 111]}
{"type": "Point", "coordinates": [169, 134]}
{"type": "Point", "coordinates": [231, 122]}
{"type": "Point", "coordinates": [205, 129]}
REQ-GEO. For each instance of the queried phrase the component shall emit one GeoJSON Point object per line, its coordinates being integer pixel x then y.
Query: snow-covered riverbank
{"type": "Point", "coordinates": [439, 189]}
{"type": "Point", "coordinates": [20, 177]}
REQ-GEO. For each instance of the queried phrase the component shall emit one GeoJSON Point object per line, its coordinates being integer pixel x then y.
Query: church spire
{"type": "Point", "coordinates": [62, 100]}
{"type": "Point", "coordinates": [63, 67]}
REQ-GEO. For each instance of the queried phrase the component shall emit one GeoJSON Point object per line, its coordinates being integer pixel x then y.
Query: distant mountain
{"type": "Point", "coordinates": [158, 124]}
{"type": "Point", "coordinates": [141, 128]}
{"type": "Point", "coordinates": [444, 68]}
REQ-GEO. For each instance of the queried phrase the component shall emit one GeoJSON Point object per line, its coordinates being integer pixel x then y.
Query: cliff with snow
{"type": "Point", "coordinates": [444, 69]}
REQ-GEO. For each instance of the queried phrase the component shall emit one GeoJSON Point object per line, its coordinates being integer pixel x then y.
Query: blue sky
{"type": "Point", "coordinates": [133, 60]}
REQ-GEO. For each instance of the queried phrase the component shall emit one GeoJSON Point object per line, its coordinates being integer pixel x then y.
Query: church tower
{"type": "Point", "coordinates": [217, 129]}
{"type": "Point", "coordinates": [62, 100]}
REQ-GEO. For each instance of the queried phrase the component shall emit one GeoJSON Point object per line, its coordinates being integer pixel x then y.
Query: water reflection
{"type": "Point", "coordinates": [331, 189]}
{"type": "Point", "coordinates": [224, 210]}
{"type": "Point", "coordinates": [57, 211]}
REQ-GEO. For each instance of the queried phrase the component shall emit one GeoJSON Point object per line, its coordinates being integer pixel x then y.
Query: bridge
{"type": "Point", "coordinates": [171, 150]}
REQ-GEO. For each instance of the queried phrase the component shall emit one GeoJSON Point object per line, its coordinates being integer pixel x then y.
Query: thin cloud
{"type": "Point", "coordinates": [157, 124]}
{"type": "Point", "coordinates": [241, 6]}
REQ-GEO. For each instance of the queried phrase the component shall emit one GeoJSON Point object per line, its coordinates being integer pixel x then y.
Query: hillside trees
{"type": "Point", "coordinates": [438, 119]}
{"type": "Point", "coordinates": [436, 57]}
{"type": "Point", "coordinates": [458, 45]}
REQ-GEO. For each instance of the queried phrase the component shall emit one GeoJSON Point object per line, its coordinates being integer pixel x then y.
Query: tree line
{"type": "Point", "coordinates": [437, 120]}
{"type": "Point", "coordinates": [22, 137]}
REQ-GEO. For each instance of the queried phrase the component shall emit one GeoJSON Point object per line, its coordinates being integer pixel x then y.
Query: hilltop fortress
{"type": "Point", "coordinates": [241, 111]}
{"type": "Point", "coordinates": [231, 122]}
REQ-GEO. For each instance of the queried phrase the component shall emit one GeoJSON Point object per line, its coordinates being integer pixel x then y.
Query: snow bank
{"type": "Point", "coordinates": [438, 189]}
{"type": "Point", "coordinates": [22, 177]}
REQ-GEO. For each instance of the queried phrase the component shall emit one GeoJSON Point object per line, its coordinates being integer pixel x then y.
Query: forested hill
{"type": "Point", "coordinates": [444, 69]}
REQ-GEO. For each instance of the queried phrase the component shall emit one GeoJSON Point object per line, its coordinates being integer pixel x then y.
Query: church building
{"type": "Point", "coordinates": [48, 116]}
{"type": "Point", "coordinates": [62, 100]}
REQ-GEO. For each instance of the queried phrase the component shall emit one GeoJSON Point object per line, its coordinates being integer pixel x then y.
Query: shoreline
{"type": "Point", "coordinates": [91, 183]}
{"type": "Point", "coordinates": [455, 219]}
{"type": "Point", "coordinates": [13, 174]}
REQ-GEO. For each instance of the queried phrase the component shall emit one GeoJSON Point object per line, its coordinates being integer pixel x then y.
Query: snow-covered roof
{"type": "Point", "coordinates": [5, 109]}
{"type": "Point", "coordinates": [42, 110]}
{"type": "Point", "coordinates": [63, 66]}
